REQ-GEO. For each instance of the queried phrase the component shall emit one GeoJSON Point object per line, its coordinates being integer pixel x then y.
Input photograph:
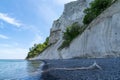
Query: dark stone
{"type": "Point", "coordinates": [110, 69]}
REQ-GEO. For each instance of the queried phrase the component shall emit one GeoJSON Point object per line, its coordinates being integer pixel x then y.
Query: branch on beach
{"type": "Point", "coordinates": [93, 66]}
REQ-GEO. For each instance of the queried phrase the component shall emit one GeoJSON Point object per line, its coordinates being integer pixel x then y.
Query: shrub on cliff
{"type": "Point", "coordinates": [71, 33]}
{"type": "Point", "coordinates": [37, 49]}
{"type": "Point", "coordinates": [95, 9]}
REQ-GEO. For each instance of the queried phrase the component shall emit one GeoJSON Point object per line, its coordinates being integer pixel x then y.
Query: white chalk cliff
{"type": "Point", "coordinates": [100, 39]}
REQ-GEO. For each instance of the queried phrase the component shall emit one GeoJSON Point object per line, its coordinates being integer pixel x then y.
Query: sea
{"type": "Point", "coordinates": [20, 69]}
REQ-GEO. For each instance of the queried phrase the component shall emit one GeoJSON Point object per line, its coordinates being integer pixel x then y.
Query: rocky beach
{"type": "Point", "coordinates": [110, 69]}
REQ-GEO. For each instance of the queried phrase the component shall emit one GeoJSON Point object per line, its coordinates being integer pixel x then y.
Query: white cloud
{"type": "Point", "coordinates": [1, 25]}
{"type": "Point", "coordinates": [12, 51]}
{"type": "Point", "coordinates": [3, 36]}
{"type": "Point", "coordinates": [9, 20]}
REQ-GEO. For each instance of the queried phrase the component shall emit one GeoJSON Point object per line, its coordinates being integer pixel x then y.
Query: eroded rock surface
{"type": "Point", "coordinates": [100, 39]}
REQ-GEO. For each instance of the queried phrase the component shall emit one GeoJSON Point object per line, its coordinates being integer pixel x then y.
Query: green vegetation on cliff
{"type": "Point", "coordinates": [37, 49]}
{"type": "Point", "coordinates": [95, 9]}
{"type": "Point", "coordinates": [71, 32]}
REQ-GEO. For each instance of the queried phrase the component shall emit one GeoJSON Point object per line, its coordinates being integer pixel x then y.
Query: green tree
{"type": "Point", "coordinates": [96, 8]}
{"type": "Point", "coordinates": [71, 33]}
{"type": "Point", "coordinates": [37, 49]}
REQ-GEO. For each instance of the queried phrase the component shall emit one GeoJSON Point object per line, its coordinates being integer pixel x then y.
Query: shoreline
{"type": "Point", "coordinates": [46, 76]}
{"type": "Point", "coordinates": [110, 66]}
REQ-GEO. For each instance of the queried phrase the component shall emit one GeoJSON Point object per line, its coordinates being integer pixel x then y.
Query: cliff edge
{"type": "Point", "coordinates": [100, 39]}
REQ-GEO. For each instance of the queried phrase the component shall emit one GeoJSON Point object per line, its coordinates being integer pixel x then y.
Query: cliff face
{"type": "Point", "coordinates": [100, 39]}
{"type": "Point", "coordinates": [73, 12]}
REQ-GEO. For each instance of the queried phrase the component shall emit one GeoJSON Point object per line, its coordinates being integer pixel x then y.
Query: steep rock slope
{"type": "Point", "coordinates": [100, 39]}
{"type": "Point", "coordinates": [73, 12]}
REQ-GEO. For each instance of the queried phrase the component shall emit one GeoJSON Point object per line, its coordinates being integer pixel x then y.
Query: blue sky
{"type": "Point", "coordinates": [24, 23]}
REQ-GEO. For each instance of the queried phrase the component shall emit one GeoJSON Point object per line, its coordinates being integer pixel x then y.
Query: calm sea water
{"type": "Point", "coordinates": [20, 70]}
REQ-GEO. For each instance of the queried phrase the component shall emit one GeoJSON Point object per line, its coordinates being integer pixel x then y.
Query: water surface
{"type": "Point", "coordinates": [20, 70]}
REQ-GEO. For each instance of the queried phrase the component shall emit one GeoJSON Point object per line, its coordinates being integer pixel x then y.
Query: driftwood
{"type": "Point", "coordinates": [93, 66]}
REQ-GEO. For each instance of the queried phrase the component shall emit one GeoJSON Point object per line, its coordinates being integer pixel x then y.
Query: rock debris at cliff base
{"type": "Point", "coordinates": [110, 69]}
